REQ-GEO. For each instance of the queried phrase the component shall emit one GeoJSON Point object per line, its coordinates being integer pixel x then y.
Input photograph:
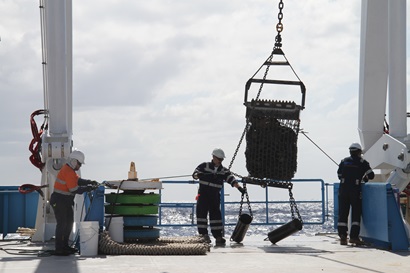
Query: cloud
{"type": "Point", "coordinates": [162, 83]}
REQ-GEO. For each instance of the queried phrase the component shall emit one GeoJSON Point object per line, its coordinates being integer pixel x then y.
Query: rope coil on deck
{"type": "Point", "coordinates": [162, 246]}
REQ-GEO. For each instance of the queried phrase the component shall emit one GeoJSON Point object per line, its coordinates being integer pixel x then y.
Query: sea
{"type": "Point", "coordinates": [316, 219]}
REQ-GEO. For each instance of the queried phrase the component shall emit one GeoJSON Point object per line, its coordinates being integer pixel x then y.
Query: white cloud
{"type": "Point", "coordinates": [161, 83]}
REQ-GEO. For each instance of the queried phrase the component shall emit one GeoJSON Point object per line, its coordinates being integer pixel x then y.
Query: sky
{"type": "Point", "coordinates": [161, 82]}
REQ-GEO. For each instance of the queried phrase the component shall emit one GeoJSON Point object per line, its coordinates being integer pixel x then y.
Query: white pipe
{"type": "Point", "coordinates": [56, 67]}
{"type": "Point", "coordinates": [373, 71]}
{"type": "Point", "coordinates": [397, 69]}
{"type": "Point", "coordinates": [69, 37]}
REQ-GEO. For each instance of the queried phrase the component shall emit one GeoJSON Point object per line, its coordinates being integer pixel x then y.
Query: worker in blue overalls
{"type": "Point", "coordinates": [211, 177]}
{"type": "Point", "coordinates": [352, 171]}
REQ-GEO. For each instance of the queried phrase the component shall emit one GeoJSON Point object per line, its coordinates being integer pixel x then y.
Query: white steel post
{"type": "Point", "coordinates": [373, 71]}
{"type": "Point", "coordinates": [57, 140]}
{"type": "Point", "coordinates": [397, 69]}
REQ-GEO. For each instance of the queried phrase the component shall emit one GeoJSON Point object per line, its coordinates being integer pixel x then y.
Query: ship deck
{"type": "Point", "coordinates": [297, 253]}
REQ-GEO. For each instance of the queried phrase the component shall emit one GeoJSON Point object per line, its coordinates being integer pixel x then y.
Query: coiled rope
{"type": "Point", "coordinates": [193, 245]}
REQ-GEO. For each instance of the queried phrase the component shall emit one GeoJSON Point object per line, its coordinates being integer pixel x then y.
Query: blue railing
{"type": "Point", "coordinates": [19, 210]}
{"type": "Point", "coordinates": [16, 209]}
{"type": "Point", "coordinates": [266, 219]}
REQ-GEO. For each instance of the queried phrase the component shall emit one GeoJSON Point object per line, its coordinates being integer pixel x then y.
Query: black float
{"type": "Point", "coordinates": [284, 231]}
{"type": "Point", "coordinates": [241, 227]}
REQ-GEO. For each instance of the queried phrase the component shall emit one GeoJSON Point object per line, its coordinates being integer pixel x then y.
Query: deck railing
{"type": "Point", "coordinates": [266, 212]}
{"type": "Point", "coordinates": [19, 210]}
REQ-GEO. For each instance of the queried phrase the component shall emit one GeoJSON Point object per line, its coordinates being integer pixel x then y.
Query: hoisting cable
{"type": "Point", "coordinates": [386, 127]}
{"type": "Point", "coordinates": [165, 177]}
{"type": "Point", "coordinates": [20, 251]}
{"type": "Point", "coordinates": [183, 245]}
{"type": "Point", "coordinates": [105, 183]}
{"type": "Point", "coordinates": [107, 227]}
{"type": "Point", "coordinates": [35, 144]}
{"type": "Point", "coordinates": [29, 188]}
{"type": "Point", "coordinates": [304, 133]}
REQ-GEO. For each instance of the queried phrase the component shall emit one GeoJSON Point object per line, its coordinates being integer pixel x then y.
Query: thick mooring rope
{"type": "Point", "coordinates": [162, 246]}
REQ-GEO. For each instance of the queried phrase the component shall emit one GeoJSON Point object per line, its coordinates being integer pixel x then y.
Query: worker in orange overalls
{"type": "Point", "coordinates": [67, 185]}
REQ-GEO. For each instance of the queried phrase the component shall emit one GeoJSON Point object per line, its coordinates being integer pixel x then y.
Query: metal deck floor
{"type": "Point", "coordinates": [297, 253]}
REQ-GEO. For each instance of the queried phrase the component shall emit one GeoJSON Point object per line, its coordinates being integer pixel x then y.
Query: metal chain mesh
{"type": "Point", "coordinates": [271, 150]}
{"type": "Point", "coordinates": [271, 137]}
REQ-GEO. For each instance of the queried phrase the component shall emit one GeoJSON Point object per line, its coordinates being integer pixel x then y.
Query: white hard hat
{"type": "Point", "coordinates": [219, 153]}
{"type": "Point", "coordinates": [355, 146]}
{"type": "Point", "coordinates": [78, 155]}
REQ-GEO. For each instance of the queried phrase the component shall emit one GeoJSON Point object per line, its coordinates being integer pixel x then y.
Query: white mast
{"type": "Point", "coordinates": [382, 69]}
{"type": "Point", "coordinates": [56, 21]}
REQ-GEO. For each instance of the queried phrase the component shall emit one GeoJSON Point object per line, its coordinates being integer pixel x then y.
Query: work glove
{"type": "Point", "coordinates": [82, 189]}
{"type": "Point", "coordinates": [94, 183]}
{"type": "Point", "coordinates": [199, 175]}
{"type": "Point", "coordinates": [83, 182]}
{"type": "Point", "coordinates": [195, 175]}
{"type": "Point", "coordinates": [242, 190]}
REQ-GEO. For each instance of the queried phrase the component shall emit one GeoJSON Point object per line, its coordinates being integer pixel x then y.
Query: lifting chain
{"type": "Point", "coordinates": [279, 26]}
{"type": "Point", "coordinates": [279, 184]}
{"type": "Point", "coordinates": [244, 195]}
{"type": "Point", "coordinates": [293, 125]}
{"type": "Point", "coordinates": [247, 201]}
{"type": "Point", "coordinates": [248, 123]}
{"type": "Point", "coordinates": [278, 44]}
{"type": "Point", "coordinates": [294, 207]}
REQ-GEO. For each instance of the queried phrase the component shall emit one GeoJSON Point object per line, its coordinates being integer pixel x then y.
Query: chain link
{"type": "Point", "coordinates": [247, 126]}
{"type": "Point", "coordinates": [286, 184]}
{"type": "Point", "coordinates": [247, 201]}
{"type": "Point", "coordinates": [279, 26]}
{"type": "Point", "coordinates": [244, 195]}
{"type": "Point", "coordinates": [241, 205]}
{"type": "Point", "coordinates": [294, 207]}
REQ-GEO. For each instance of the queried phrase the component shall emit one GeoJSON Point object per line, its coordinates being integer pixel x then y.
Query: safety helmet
{"type": "Point", "coordinates": [219, 153]}
{"type": "Point", "coordinates": [355, 147]}
{"type": "Point", "coordinates": [78, 155]}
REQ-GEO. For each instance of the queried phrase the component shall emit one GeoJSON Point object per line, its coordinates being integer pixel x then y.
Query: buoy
{"type": "Point", "coordinates": [284, 231]}
{"type": "Point", "coordinates": [241, 227]}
